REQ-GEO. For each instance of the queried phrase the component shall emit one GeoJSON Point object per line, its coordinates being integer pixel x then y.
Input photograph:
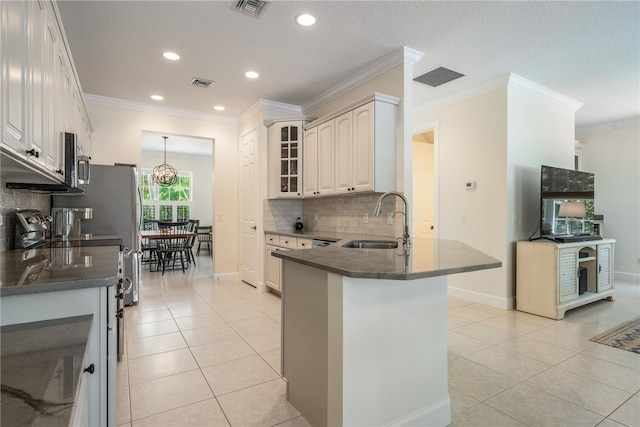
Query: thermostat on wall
{"type": "Point", "coordinates": [470, 185]}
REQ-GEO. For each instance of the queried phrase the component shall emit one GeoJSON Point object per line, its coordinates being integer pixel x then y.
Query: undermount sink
{"type": "Point", "coordinates": [371, 244]}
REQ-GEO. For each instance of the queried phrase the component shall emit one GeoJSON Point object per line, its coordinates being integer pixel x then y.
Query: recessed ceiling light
{"type": "Point", "coordinates": [157, 97]}
{"type": "Point", "coordinates": [218, 108]}
{"type": "Point", "coordinates": [252, 74]}
{"type": "Point", "coordinates": [171, 55]}
{"type": "Point", "coordinates": [305, 19]}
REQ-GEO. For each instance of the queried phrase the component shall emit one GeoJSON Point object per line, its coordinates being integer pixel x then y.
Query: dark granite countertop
{"type": "Point", "coordinates": [40, 370]}
{"type": "Point", "coordinates": [426, 258]}
{"type": "Point", "coordinates": [25, 271]}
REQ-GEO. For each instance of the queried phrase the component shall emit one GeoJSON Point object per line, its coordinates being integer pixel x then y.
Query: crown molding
{"type": "Point", "coordinates": [527, 86]}
{"type": "Point", "coordinates": [509, 80]}
{"type": "Point", "coordinates": [404, 55]}
{"type": "Point", "coordinates": [148, 108]}
{"type": "Point", "coordinates": [475, 90]}
{"type": "Point", "coordinates": [272, 106]}
{"type": "Point", "coordinates": [609, 126]}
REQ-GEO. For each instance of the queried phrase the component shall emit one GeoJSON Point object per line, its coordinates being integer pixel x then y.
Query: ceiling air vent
{"type": "Point", "coordinates": [203, 83]}
{"type": "Point", "coordinates": [438, 76]}
{"type": "Point", "coordinates": [250, 7]}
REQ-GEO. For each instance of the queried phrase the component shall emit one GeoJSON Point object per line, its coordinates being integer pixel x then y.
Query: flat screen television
{"type": "Point", "coordinates": [566, 202]}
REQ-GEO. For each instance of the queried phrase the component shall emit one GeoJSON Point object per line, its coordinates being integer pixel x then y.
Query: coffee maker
{"type": "Point", "coordinates": [67, 221]}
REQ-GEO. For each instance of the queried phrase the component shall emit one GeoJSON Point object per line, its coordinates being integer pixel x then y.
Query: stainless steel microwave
{"type": "Point", "coordinates": [76, 171]}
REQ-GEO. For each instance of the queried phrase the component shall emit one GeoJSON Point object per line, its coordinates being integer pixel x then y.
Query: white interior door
{"type": "Point", "coordinates": [249, 196]}
{"type": "Point", "coordinates": [423, 185]}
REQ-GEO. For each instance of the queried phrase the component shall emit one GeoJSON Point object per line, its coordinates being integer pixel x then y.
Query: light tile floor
{"type": "Point", "coordinates": [201, 352]}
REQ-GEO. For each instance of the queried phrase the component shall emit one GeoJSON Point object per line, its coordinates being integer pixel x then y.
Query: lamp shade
{"type": "Point", "coordinates": [572, 210]}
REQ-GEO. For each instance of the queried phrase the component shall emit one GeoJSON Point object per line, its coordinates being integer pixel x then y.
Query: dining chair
{"type": "Point", "coordinates": [205, 234]}
{"type": "Point", "coordinates": [193, 227]}
{"type": "Point", "coordinates": [148, 246]}
{"type": "Point", "coordinates": [172, 244]}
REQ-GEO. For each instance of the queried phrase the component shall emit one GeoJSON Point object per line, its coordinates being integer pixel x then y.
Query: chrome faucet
{"type": "Point", "coordinates": [378, 211]}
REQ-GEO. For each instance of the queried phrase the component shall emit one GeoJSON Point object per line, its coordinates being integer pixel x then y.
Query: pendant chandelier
{"type": "Point", "coordinates": [164, 174]}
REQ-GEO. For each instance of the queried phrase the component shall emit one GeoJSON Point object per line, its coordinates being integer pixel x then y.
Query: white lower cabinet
{"type": "Point", "coordinates": [273, 265]}
{"type": "Point", "coordinates": [552, 278]}
{"type": "Point", "coordinates": [95, 388]}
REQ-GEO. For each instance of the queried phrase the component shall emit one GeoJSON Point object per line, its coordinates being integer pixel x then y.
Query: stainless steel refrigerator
{"type": "Point", "coordinates": [116, 200]}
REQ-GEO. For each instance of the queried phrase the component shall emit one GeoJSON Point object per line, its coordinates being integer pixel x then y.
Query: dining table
{"type": "Point", "coordinates": [158, 234]}
{"type": "Point", "coordinates": [151, 235]}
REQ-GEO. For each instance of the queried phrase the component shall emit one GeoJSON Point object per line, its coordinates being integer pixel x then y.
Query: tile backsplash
{"type": "Point", "coordinates": [15, 200]}
{"type": "Point", "coordinates": [338, 214]}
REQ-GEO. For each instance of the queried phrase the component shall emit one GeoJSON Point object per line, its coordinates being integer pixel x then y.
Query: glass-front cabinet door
{"type": "Point", "coordinates": [285, 146]}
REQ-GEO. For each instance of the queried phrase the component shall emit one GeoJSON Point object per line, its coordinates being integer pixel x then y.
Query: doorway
{"type": "Point", "coordinates": [424, 185]}
{"type": "Point", "coordinates": [191, 197]}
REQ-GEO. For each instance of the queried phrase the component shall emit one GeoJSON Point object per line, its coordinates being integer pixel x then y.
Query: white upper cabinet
{"type": "Point", "coordinates": [326, 150]}
{"type": "Point", "coordinates": [363, 148]}
{"type": "Point", "coordinates": [36, 80]}
{"type": "Point", "coordinates": [344, 152]}
{"type": "Point", "coordinates": [284, 150]}
{"type": "Point", "coordinates": [319, 148]}
{"type": "Point", "coordinates": [41, 96]}
{"type": "Point", "coordinates": [310, 162]}
{"type": "Point", "coordinates": [13, 40]}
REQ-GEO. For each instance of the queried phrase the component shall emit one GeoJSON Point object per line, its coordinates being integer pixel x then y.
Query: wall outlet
{"type": "Point", "coordinates": [315, 216]}
{"type": "Point", "coordinates": [389, 218]}
{"type": "Point", "coordinates": [515, 218]}
{"type": "Point", "coordinates": [463, 217]}
{"type": "Point", "coordinates": [365, 218]}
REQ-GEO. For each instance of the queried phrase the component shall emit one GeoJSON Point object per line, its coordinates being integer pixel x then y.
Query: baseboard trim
{"type": "Point", "coordinates": [480, 298]}
{"type": "Point", "coordinates": [627, 277]}
{"type": "Point", "coordinates": [227, 277]}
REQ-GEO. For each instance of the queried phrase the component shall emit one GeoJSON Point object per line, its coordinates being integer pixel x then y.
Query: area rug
{"type": "Point", "coordinates": [625, 336]}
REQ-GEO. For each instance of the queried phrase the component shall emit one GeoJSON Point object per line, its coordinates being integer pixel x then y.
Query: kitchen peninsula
{"type": "Point", "coordinates": [364, 331]}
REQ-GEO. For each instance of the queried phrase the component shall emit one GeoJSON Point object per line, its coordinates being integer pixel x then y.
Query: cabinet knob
{"type": "Point", "coordinates": [91, 368]}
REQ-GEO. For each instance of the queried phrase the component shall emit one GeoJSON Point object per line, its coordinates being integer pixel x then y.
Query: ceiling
{"type": "Point", "coordinates": [588, 51]}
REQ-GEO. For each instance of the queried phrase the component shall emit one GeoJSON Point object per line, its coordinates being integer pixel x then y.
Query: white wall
{"type": "Point", "coordinates": [117, 138]}
{"type": "Point", "coordinates": [202, 182]}
{"type": "Point", "coordinates": [614, 157]}
{"type": "Point", "coordinates": [499, 139]}
{"type": "Point", "coordinates": [472, 139]}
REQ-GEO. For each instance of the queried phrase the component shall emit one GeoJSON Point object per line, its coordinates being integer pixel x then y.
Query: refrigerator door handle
{"type": "Point", "coordinates": [139, 209]}
{"type": "Point", "coordinates": [130, 287]}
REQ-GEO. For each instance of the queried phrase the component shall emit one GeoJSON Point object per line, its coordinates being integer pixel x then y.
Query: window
{"type": "Point", "coordinates": [171, 203]}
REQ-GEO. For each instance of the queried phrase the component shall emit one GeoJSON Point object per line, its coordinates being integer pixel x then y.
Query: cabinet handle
{"type": "Point", "coordinates": [33, 152]}
{"type": "Point", "coordinates": [599, 268]}
{"type": "Point", "coordinates": [91, 369]}
{"type": "Point", "coordinates": [60, 172]}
